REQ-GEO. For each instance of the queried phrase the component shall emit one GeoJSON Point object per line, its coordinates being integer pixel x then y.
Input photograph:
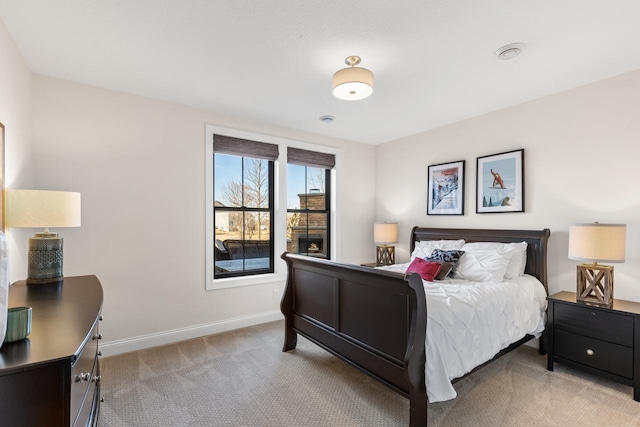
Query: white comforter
{"type": "Point", "coordinates": [470, 322]}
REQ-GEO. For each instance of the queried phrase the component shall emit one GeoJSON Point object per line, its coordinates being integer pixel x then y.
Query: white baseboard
{"type": "Point", "coordinates": [111, 348]}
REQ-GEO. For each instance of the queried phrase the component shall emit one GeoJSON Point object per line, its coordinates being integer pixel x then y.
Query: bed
{"type": "Point", "coordinates": [376, 320]}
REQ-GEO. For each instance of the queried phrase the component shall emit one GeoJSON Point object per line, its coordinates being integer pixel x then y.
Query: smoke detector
{"type": "Point", "coordinates": [327, 119]}
{"type": "Point", "coordinates": [509, 51]}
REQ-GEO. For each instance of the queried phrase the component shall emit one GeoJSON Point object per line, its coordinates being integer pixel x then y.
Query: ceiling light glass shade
{"type": "Point", "coordinates": [352, 84]}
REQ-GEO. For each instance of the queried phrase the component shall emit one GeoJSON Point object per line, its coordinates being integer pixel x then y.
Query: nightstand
{"type": "Point", "coordinates": [601, 341]}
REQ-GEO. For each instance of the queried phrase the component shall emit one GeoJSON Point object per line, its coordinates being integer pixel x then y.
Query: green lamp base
{"type": "Point", "coordinates": [45, 258]}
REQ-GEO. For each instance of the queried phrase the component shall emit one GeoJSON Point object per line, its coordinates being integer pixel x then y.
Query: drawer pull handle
{"type": "Point", "coordinates": [96, 378]}
{"type": "Point", "coordinates": [83, 377]}
{"type": "Point", "coordinates": [97, 337]}
{"type": "Point", "coordinates": [589, 352]}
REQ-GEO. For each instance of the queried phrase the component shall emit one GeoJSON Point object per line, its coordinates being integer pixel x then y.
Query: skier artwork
{"type": "Point", "coordinates": [445, 189]}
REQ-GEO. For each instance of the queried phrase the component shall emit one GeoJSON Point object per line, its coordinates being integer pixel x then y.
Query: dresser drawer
{"type": "Point", "coordinates": [600, 324]}
{"type": "Point", "coordinates": [82, 371]}
{"type": "Point", "coordinates": [84, 418]}
{"type": "Point", "coordinates": [612, 358]}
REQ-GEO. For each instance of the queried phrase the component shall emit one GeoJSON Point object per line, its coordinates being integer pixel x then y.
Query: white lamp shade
{"type": "Point", "coordinates": [385, 232]}
{"type": "Point", "coordinates": [352, 84]}
{"type": "Point", "coordinates": [42, 209]}
{"type": "Point", "coordinates": [597, 242]}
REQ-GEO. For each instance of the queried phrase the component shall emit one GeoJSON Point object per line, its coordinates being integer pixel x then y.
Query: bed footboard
{"type": "Point", "coordinates": [373, 319]}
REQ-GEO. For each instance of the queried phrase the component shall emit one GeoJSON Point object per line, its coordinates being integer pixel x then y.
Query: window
{"type": "Point", "coordinates": [309, 202]}
{"type": "Point", "coordinates": [243, 206]}
{"type": "Point", "coordinates": [247, 189]}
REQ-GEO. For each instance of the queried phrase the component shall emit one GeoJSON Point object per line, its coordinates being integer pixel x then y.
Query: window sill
{"type": "Point", "coordinates": [234, 282]}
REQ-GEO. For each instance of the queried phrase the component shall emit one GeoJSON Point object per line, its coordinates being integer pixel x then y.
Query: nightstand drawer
{"type": "Point", "coordinates": [581, 319]}
{"type": "Point", "coordinates": [612, 358]}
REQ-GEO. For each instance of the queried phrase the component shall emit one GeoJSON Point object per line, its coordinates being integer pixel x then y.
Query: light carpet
{"type": "Point", "coordinates": [242, 378]}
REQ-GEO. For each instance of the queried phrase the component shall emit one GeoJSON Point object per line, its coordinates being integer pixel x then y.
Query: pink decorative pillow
{"type": "Point", "coordinates": [428, 270]}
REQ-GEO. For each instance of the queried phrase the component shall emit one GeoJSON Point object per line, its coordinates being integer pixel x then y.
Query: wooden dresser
{"type": "Point", "coordinates": [52, 378]}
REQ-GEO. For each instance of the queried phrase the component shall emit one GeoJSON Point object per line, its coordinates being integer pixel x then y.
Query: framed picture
{"type": "Point", "coordinates": [445, 189]}
{"type": "Point", "coordinates": [500, 182]}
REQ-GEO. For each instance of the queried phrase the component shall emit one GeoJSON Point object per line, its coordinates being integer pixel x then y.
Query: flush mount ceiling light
{"type": "Point", "coordinates": [327, 119]}
{"type": "Point", "coordinates": [354, 83]}
{"type": "Point", "coordinates": [509, 51]}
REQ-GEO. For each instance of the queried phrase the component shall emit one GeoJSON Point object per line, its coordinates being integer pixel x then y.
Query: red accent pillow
{"type": "Point", "coordinates": [428, 270]}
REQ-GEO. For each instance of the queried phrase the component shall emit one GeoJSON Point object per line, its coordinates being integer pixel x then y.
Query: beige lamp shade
{"type": "Point", "coordinates": [385, 232]}
{"type": "Point", "coordinates": [42, 209]}
{"type": "Point", "coordinates": [597, 242]}
{"type": "Point", "coordinates": [352, 84]}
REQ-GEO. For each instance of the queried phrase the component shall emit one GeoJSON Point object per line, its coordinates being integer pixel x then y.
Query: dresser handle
{"type": "Point", "coordinates": [97, 337]}
{"type": "Point", "coordinates": [589, 352]}
{"type": "Point", "coordinates": [96, 378]}
{"type": "Point", "coordinates": [83, 377]}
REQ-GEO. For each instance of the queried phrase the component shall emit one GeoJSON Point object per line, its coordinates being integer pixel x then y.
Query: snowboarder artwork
{"type": "Point", "coordinates": [500, 183]}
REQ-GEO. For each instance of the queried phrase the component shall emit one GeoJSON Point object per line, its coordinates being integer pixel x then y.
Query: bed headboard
{"type": "Point", "coordinates": [536, 243]}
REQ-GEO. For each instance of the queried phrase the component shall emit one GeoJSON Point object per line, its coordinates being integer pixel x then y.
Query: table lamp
{"type": "Point", "coordinates": [596, 243]}
{"type": "Point", "coordinates": [43, 209]}
{"type": "Point", "coordinates": [385, 232]}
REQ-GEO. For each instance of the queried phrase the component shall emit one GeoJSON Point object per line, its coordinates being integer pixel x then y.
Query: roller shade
{"type": "Point", "coordinates": [310, 158]}
{"type": "Point", "coordinates": [244, 147]}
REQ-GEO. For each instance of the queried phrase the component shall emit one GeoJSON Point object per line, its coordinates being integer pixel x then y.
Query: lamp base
{"type": "Point", "coordinates": [595, 284]}
{"type": "Point", "coordinates": [31, 281]}
{"type": "Point", "coordinates": [385, 255]}
{"type": "Point", "coordinates": [45, 258]}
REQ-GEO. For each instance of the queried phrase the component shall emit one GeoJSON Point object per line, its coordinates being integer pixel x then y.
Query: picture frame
{"type": "Point", "coordinates": [500, 182]}
{"type": "Point", "coordinates": [445, 188]}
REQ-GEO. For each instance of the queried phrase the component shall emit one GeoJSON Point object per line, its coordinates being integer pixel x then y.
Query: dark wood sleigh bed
{"type": "Point", "coordinates": [375, 319]}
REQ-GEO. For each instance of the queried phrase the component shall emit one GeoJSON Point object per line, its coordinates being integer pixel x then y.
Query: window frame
{"type": "Point", "coordinates": [278, 222]}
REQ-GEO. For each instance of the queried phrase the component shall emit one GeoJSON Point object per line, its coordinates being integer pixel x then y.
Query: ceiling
{"type": "Point", "coordinates": [272, 61]}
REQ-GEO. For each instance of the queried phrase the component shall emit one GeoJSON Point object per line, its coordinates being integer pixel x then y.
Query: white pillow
{"type": "Point", "coordinates": [518, 262]}
{"type": "Point", "coordinates": [424, 248]}
{"type": "Point", "coordinates": [485, 261]}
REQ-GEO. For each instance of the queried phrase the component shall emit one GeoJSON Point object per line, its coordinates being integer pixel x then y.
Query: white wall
{"type": "Point", "coordinates": [140, 166]}
{"type": "Point", "coordinates": [15, 114]}
{"type": "Point", "coordinates": [582, 154]}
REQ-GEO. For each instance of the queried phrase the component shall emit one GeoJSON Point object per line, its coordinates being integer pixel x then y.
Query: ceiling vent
{"type": "Point", "coordinates": [509, 51]}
